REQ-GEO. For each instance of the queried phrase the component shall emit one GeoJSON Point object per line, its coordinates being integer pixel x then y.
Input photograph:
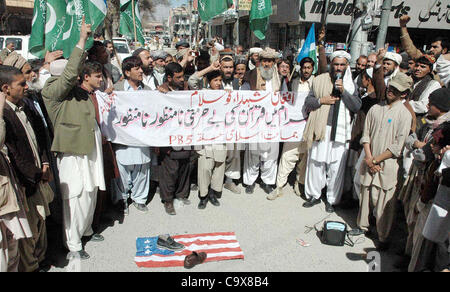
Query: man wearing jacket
{"type": "Point", "coordinates": [78, 143]}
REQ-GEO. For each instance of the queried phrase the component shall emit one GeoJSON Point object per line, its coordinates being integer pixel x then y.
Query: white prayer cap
{"type": "Point", "coordinates": [340, 54]}
{"type": "Point", "coordinates": [394, 57]}
{"type": "Point", "coordinates": [255, 51]}
{"type": "Point", "coordinates": [57, 67]}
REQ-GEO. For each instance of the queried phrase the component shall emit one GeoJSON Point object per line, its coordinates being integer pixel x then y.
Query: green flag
{"type": "Point", "coordinates": [259, 17]}
{"type": "Point", "coordinates": [128, 27]}
{"type": "Point", "coordinates": [56, 24]}
{"type": "Point", "coordinates": [302, 9]}
{"type": "Point", "coordinates": [207, 9]}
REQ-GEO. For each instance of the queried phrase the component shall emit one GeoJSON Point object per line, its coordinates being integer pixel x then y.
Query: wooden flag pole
{"type": "Point", "coordinates": [134, 20]}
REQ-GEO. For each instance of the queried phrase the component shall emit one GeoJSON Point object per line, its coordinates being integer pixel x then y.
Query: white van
{"type": "Point", "coordinates": [21, 43]}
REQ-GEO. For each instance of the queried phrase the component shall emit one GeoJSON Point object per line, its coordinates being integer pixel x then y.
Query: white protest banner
{"type": "Point", "coordinates": [186, 118]}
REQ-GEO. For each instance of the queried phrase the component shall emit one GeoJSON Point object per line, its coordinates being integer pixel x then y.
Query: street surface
{"type": "Point", "coordinates": [266, 230]}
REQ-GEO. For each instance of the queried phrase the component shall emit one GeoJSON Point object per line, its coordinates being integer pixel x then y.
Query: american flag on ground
{"type": "Point", "coordinates": [218, 246]}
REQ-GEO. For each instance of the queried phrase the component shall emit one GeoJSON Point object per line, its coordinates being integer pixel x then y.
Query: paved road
{"type": "Point", "coordinates": [266, 230]}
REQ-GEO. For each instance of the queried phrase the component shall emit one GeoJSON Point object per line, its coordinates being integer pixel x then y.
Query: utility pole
{"type": "Point", "coordinates": [236, 26]}
{"type": "Point", "coordinates": [358, 39]}
{"type": "Point", "coordinates": [382, 30]}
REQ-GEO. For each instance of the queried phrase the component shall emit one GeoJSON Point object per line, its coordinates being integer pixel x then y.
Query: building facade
{"type": "Point", "coordinates": [16, 16]}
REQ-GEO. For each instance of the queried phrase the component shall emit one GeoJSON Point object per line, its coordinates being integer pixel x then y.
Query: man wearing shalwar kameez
{"type": "Point", "coordinates": [78, 142]}
{"type": "Point", "coordinates": [328, 131]}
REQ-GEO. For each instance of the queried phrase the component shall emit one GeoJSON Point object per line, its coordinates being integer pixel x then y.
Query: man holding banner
{"type": "Point", "coordinates": [262, 155]}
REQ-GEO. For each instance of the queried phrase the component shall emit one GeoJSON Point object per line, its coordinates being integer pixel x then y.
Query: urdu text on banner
{"type": "Point", "coordinates": [187, 118]}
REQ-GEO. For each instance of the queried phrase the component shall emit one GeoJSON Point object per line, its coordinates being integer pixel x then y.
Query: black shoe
{"type": "Point", "coordinates": [218, 194]}
{"type": "Point", "coordinates": [169, 208]}
{"type": "Point", "coordinates": [97, 237]}
{"type": "Point", "coordinates": [203, 203]}
{"type": "Point", "coordinates": [167, 242]}
{"type": "Point", "coordinates": [311, 203]}
{"type": "Point", "coordinates": [140, 207]}
{"type": "Point", "coordinates": [82, 255]}
{"type": "Point", "coordinates": [212, 198]}
{"type": "Point", "coordinates": [249, 189]}
{"type": "Point", "coordinates": [328, 207]}
{"type": "Point", "coordinates": [356, 232]}
{"type": "Point", "coordinates": [268, 189]}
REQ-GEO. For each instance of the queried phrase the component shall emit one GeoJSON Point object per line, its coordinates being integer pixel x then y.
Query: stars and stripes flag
{"type": "Point", "coordinates": [218, 246]}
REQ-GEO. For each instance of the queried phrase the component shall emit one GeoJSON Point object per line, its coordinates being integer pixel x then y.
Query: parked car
{"type": "Point", "coordinates": [122, 48]}
{"type": "Point", "coordinates": [21, 43]}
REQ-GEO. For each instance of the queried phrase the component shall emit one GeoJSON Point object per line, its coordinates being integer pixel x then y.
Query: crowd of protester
{"type": "Point", "coordinates": [376, 138]}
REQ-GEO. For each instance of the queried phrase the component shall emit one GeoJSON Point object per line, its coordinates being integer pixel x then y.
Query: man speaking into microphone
{"type": "Point", "coordinates": [328, 131]}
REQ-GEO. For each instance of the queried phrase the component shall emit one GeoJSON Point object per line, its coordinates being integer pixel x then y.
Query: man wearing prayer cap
{"type": "Point", "coordinates": [331, 101]}
{"type": "Point", "coordinates": [254, 58]}
{"type": "Point", "coordinates": [262, 156]}
{"type": "Point", "coordinates": [159, 69]}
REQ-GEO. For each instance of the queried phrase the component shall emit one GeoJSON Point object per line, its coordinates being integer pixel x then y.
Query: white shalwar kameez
{"type": "Point", "coordinates": [81, 176]}
{"type": "Point", "coordinates": [326, 167]}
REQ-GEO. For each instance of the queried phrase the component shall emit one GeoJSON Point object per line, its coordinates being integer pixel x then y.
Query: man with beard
{"type": "Point", "coordinates": [361, 64]}
{"type": "Point", "coordinates": [332, 98]}
{"type": "Point", "coordinates": [253, 61]}
{"type": "Point", "coordinates": [159, 62]}
{"type": "Point", "coordinates": [424, 84]}
{"type": "Point", "coordinates": [294, 153]}
{"type": "Point", "coordinates": [262, 155]}
{"type": "Point", "coordinates": [175, 170]}
{"type": "Point", "coordinates": [438, 47]}
{"type": "Point", "coordinates": [147, 65]}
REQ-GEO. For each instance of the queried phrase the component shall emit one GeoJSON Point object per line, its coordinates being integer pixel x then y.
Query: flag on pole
{"type": "Point", "coordinates": [303, 9]}
{"type": "Point", "coordinates": [207, 9]}
{"type": "Point", "coordinates": [56, 24]}
{"type": "Point", "coordinates": [218, 246]}
{"type": "Point", "coordinates": [309, 48]}
{"type": "Point", "coordinates": [130, 21]}
{"type": "Point", "coordinates": [259, 17]}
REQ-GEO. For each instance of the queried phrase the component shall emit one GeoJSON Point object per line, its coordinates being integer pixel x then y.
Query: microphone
{"type": "Point", "coordinates": [336, 92]}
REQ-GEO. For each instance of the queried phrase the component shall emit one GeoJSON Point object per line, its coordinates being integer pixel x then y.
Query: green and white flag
{"type": "Point", "coordinates": [207, 9]}
{"type": "Point", "coordinates": [56, 24]}
{"type": "Point", "coordinates": [128, 27]}
{"type": "Point", "coordinates": [259, 17]}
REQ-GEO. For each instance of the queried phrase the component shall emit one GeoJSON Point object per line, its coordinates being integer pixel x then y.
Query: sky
{"type": "Point", "coordinates": [162, 12]}
{"type": "Point", "coordinates": [176, 3]}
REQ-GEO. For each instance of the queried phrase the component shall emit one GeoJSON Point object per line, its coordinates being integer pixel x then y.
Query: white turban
{"type": "Point", "coordinates": [394, 57]}
{"type": "Point", "coordinates": [57, 67]}
{"type": "Point", "coordinates": [340, 54]}
{"type": "Point", "coordinates": [255, 51]}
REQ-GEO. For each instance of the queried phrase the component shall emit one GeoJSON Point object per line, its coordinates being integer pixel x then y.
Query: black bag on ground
{"type": "Point", "coordinates": [334, 233]}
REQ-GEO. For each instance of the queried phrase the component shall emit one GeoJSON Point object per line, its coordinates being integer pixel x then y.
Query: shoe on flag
{"type": "Point", "coordinates": [56, 24]}
{"type": "Point", "coordinates": [309, 48]}
{"type": "Point", "coordinates": [218, 246]}
{"type": "Point", "coordinates": [128, 27]}
{"type": "Point", "coordinates": [259, 17]}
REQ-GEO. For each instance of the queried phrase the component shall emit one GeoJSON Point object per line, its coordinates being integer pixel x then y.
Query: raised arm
{"type": "Point", "coordinates": [406, 40]}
